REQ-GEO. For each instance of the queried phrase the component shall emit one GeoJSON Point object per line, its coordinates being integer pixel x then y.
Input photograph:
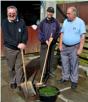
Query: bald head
{"type": "Point", "coordinates": [71, 13]}
{"type": "Point", "coordinates": [73, 10]}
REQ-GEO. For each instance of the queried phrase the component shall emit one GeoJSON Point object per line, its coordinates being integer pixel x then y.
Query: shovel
{"type": "Point", "coordinates": [41, 79]}
{"type": "Point", "coordinates": [27, 86]}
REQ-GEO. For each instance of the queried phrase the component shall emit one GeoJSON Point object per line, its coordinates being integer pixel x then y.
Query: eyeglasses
{"type": "Point", "coordinates": [68, 13]}
{"type": "Point", "coordinates": [11, 14]}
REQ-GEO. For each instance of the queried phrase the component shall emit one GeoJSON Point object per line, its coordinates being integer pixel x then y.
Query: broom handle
{"type": "Point", "coordinates": [44, 65]}
{"type": "Point", "coordinates": [45, 61]}
{"type": "Point", "coordinates": [24, 69]}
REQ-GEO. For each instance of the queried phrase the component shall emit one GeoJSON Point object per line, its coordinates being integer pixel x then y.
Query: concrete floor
{"type": "Point", "coordinates": [10, 95]}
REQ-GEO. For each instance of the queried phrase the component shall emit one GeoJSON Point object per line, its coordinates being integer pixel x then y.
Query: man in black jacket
{"type": "Point", "coordinates": [15, 39]}
{"type": "Point", "coordinates": [49, 26]}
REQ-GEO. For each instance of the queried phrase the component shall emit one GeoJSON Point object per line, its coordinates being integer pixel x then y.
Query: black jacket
{"type": "Point", "coordinates": [47, 27]}
{"type": "Point", "coordinates": [14, 33]}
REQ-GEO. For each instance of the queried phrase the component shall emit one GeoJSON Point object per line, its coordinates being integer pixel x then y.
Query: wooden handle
{"type": "Point", "coordinates": [44, 65]}
{"type": "Point", "coordinates": [45, 60]}
{"type": "Point", "coordinates": [24, 69]}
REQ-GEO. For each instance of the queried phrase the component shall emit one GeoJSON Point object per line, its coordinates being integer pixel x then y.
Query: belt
{"type": "Point", "coordinates": [70, 45]}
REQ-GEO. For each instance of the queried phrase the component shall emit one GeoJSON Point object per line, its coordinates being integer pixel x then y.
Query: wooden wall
{"type": "Point", "coordinates": [33, 44]}
{"type": "Point", "coordinates": [82, 8]}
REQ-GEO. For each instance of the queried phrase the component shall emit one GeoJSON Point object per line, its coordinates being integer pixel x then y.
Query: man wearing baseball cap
{"type": "Point", "coordinates": [50, 9]}
{"type": "Point", "coordinates": [49, 26]}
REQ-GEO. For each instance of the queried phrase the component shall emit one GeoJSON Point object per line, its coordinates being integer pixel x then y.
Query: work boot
{"type": "Point", "coordinates": [46, 77]}
{"type": "Point", "coordinates": [73, 85]}
{"type": "Point", "coordinates": [61, 81]}
{"type": "Point", "coordinates": [13, 86]}
{"type": "Point", "coordinates": [51, 74]}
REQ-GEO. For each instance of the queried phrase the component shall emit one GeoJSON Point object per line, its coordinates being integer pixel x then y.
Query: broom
{"type": "Point", "coordinates": [41, 79]}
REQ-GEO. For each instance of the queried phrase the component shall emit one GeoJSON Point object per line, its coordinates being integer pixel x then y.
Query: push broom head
{"type": "Point", "coordinates": [39, 84]}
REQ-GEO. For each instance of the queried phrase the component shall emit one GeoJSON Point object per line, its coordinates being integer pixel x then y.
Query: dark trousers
{"type": "Point", "coordinates": [50, 59]}
{"type": "Point", "coordinates": [14, 62]}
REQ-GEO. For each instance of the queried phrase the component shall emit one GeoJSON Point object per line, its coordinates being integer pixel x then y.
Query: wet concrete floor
{"type": "Point", "coordinates": [69, 95]}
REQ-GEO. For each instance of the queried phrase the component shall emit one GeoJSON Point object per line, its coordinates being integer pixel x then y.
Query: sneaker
{"type": "Point", "coordinates": [13, 86]}
{"type": "Point", "coordinates": [62, 81]}
{"type": "Point", "coordinates": [73, 85]}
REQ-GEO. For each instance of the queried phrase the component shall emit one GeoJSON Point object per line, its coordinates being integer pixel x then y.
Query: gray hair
{"type": "Point", "coordinates": [11, 7]}
{"type": "Point", "coordinates": [74, 10]}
